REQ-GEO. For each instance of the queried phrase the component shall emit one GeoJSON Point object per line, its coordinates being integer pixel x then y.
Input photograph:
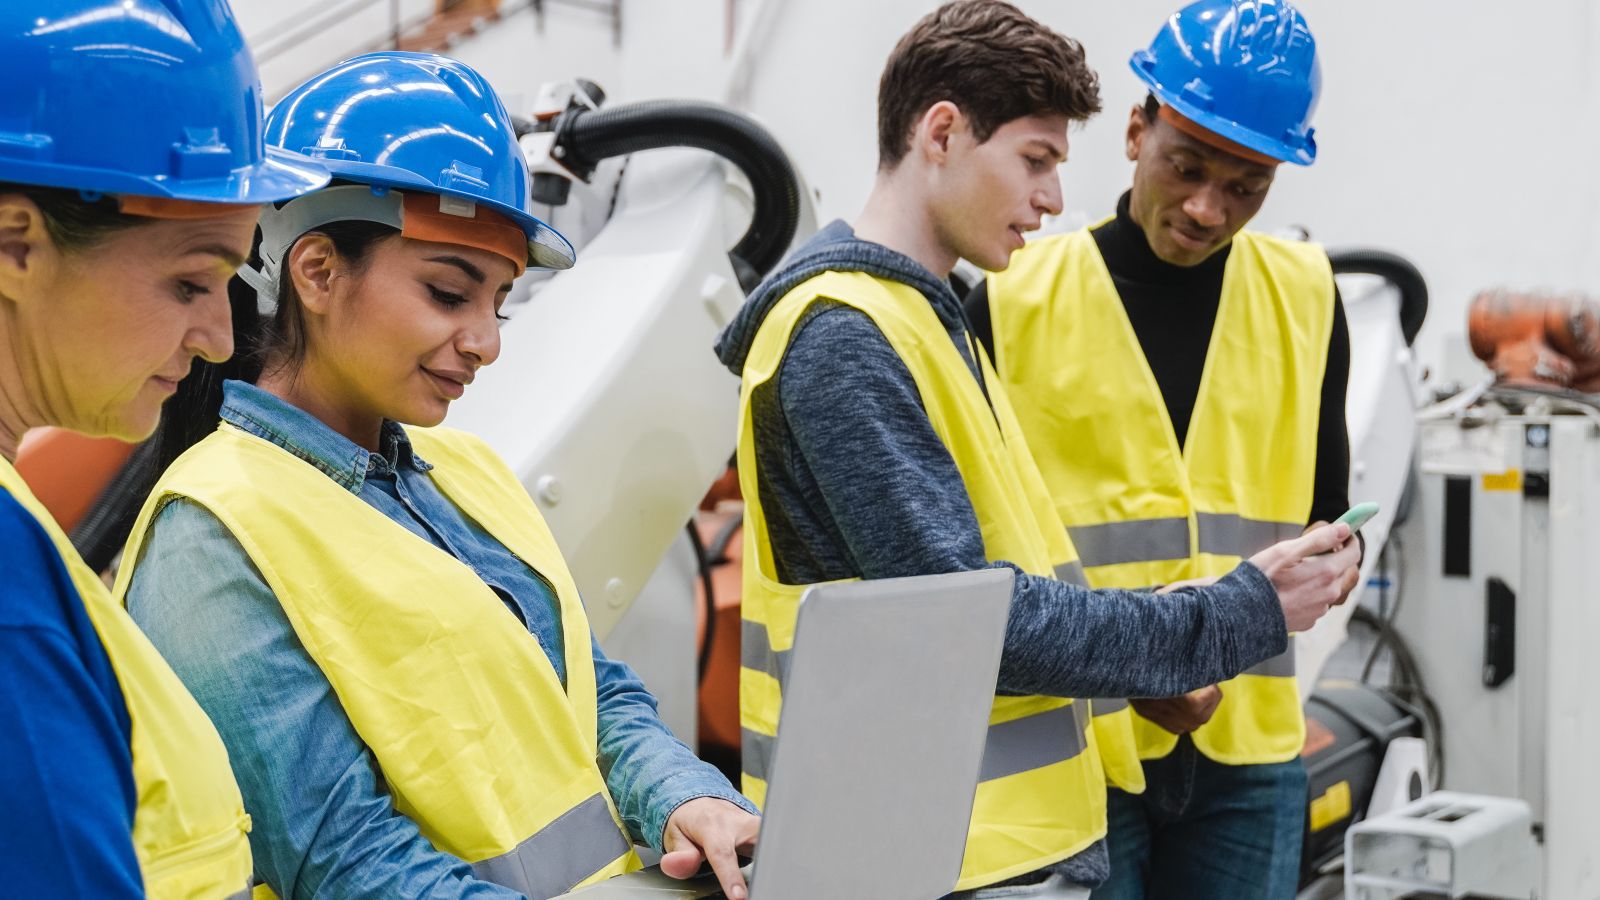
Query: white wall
{"type": "Point", "coordinates": [1446, 133]}
{"type": "Point", "coordinates": [1453, 133]}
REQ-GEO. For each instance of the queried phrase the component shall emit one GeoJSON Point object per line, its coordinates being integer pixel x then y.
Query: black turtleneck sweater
{"type": "Point", "coordinates": [1172, 309]}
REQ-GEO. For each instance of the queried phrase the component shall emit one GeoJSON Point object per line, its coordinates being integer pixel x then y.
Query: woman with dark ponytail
{"type": "Point", "coordinates": [370, 608]}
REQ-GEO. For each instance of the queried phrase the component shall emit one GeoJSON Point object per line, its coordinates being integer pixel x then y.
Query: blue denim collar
{"type": "Point", "coordinates": [264, 415]}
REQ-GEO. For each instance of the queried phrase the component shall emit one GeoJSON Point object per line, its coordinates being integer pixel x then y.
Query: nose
{"type": "Point", "coordinates": [210, 335]}
{"type": "Point", "coordinates": [1048, 199]}
{"type": "Point", "coordinates": [1205, 207]}
{"type": "Point", "coordinates": [480, 342]}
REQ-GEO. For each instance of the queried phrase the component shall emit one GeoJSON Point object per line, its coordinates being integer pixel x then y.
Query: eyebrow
{"type": "Point", "coordinates": [228, 255]}
{"type": "Point", "coordinates": [1207, 152]}
{"type": "Point", "coordinates": [1049, 148]}
{"type": "Point", "coordinates": [472, 271]}
{"type": "Point", "coordinates": [467, 268]}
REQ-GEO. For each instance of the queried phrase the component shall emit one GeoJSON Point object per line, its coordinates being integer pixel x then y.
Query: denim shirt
{"type": "Point", "coordinates": [324, 824]}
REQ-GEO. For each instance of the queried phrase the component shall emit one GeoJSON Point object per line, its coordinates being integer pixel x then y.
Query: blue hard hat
{"type": "Point", "coordinates": [156, 98]}
{"type": "Point", "coordinates": [420, 121]}
{"type": "Point", "coordinates": [1244, 69]}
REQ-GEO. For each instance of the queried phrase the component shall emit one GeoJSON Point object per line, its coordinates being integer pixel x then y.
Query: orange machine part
{"type": "Point", "coordinates": [67, 471]}
{"type": "Point", "coordinates": [1538, 338]}
{"type": "Point", "coordinates": [719, 690]}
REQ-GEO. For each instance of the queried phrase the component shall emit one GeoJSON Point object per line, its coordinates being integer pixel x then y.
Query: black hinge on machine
{"type": "Point", "coordinates": [1499, 633]}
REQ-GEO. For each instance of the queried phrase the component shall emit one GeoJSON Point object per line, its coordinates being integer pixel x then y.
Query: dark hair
{"type": "Point", "coordinates": [1151, 109]}
{"type": "Point", "coordinates": [279, 339]}
{"type": "Point", "coordinates": [73, 223]}
{"type": "Point", "coordinates": [991, 60]}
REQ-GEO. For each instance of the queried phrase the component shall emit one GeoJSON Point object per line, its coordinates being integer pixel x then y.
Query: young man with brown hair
{"type": "Point", "coordinates": [875, 441]}
{"type": "Point", "coordinates": [1181, 381]}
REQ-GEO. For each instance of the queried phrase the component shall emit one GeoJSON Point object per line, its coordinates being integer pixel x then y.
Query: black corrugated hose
{"type": "Point", "coordinates": [587, 136]}
{"type": "Point", "coordinates": [1398, 271]}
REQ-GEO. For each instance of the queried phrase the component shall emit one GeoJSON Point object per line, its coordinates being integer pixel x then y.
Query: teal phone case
{"type": "Point", "coordinates": [1359, 515]}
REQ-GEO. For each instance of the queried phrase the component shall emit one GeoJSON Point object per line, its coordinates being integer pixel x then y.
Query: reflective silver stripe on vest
{"type": "Point", "coordinates": [241, 895]}
{"type": "Point", "coordinates": [1020, 745]}
{"type": "Point", "coordinates": [1105, 706]}
{"type": "Point", "coordinates": [1137, 540]}
{"type": "Point", "coordinates": [1280, 666]}
{"type": "Point", "coordinates": [581, 842]}
{"type": "Point", "coordinates": [755, 651]}
{"type": "Point", "coordinates": [1036, 741]}
{"type": "Point", "coordinates": [1152, 540]}
{"type": "Point", "coordinates": [1230, 535]}
{"type": "Point", "coordinates": [1072, 573]}
{"type": "Point", "coordinates": [755, 753]}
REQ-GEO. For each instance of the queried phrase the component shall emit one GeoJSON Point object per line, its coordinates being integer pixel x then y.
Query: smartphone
{"type": "Point", "coordinates": [1359, 515]}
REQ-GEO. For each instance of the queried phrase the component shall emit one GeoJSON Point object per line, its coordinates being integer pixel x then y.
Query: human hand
{"type": "Point", "coordinates": [1186, 584]}
{"type": "Point", "coordinates": [1310, 572]}
{"type": "Point", "coordinates": [710, 829]}
{"type": "Point", "coordinates": [1182, 714]}
{"type": "Point", "coordinates": [1353, 577]}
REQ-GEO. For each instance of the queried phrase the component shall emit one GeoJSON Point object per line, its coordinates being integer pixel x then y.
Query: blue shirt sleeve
{"type": "Point", "coordinates": [649, 772]}
{"type": "Point", "coordinates": [896, 497]}
{"type": "Point", "coordinates": [323, 825]}
{"type": "Point", "coordinates": [66, 770]}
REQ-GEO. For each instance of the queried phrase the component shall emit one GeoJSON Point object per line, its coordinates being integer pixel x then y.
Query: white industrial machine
{"type": "Point", "coordinates": [1489, 618]}
{"type": "Point", "coordinates": [1499, 607]}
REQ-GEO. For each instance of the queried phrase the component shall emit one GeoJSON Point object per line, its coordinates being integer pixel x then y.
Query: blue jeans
{"type": "Point", "coordinates": [1206, 831]}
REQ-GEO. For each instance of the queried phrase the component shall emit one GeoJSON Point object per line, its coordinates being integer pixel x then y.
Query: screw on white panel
{"type": "Point", "coordinates": [548, 489]}
{"type": "Point", "coordinates": [615, 594]}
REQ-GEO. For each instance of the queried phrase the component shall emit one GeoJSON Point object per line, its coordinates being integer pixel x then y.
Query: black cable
{"type": "Point", "coordinates": [585, 136]}
{"type": "Point", "coordinates": [703, 563]}
{"type": "Point", "coordinates": [1388, 612]}
{"type": "Point", "coordinates": [1411, 688]}
{"type": "Point", "coordinates": [717, 553]}
{"type": "Point", "coordinates": [1398, 271]}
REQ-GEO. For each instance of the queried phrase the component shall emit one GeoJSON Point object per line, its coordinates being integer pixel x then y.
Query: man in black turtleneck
{"type": "Point", "coordinates": [1181, 382]}
{"type": "Point", "coordinates": [1172, 309]}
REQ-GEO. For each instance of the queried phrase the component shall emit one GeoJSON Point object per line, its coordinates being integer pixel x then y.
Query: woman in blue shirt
{"type": "Point", "coordinates": [121, 221]}
{"type": "Point", "coordinates": [383, 293]}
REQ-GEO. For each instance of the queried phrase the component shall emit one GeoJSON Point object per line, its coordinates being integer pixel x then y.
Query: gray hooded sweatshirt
{"type": "Point", "coordinates": [855, 483]}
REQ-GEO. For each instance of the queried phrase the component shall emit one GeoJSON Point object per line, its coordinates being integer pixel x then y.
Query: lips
{"type": "Point", "coordinates": [1019, 231]}
{"type": "Point", "coordinates": [1190, 239]}
{"type": "Point", "coordinates": [450, 383]}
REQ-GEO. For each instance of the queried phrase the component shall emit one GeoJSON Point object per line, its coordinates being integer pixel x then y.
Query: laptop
{"type": "Point", "coordinates": [885, 713]}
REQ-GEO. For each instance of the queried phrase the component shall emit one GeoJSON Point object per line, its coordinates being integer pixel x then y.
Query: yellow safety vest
{"type": "Point", "coordinates": [189, 829]}
{"type": "Point", "coordinates": [477, 741]}
{"type": "Point", "coordinates": [1143, 510]}
{"type": "Point", "coordinates": [1041, 795]}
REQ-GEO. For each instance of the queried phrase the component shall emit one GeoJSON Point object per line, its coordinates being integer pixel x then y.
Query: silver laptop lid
{"type": "Point", "coordinates": [885, 712]}
{"type": "Point", "coordinates": [873, 772]}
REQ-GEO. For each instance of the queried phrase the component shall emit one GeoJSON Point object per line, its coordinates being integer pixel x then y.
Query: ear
{"type": "Point", "coordinates": [313, 263]}
{"type": "Point", "coordinates": [27, 253]}
{"type": "Point", "coordinates": [1138, 127]}
{"type": "Point", "coordinates": [942, 121]}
